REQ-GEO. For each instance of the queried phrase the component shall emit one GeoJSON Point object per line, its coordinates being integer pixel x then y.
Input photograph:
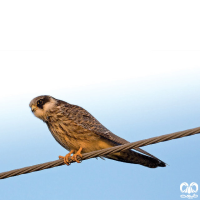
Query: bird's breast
{"type": "Point", "coordinates": [73, 136]}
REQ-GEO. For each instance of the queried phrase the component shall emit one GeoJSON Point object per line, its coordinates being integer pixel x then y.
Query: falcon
{"type": "Point", "coordinates": [79, 132]}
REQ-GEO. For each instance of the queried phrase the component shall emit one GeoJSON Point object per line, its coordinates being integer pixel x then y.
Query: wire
{"type": "Point", "coordinates": [102, 152]}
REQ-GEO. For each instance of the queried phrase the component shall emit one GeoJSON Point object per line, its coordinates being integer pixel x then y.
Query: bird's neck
{"type": "Point", "coordinates": [51, 115]}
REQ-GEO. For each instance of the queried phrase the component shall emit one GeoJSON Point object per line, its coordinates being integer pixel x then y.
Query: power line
{"type": "Point", "coordinates": [103, 152]}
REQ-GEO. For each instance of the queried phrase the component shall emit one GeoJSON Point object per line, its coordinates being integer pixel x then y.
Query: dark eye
{"type": "Point", "coordinates": [39, 102]}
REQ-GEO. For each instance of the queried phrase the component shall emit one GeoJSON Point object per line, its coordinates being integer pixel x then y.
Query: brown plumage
{"type": "Point", "coordinates": [76, 129]}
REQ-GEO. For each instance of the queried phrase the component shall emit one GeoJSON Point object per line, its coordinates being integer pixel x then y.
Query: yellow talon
{"type": "Point", "coordinates": [66, 158]}
{"type": "Point", "coordinates": [74, 157]}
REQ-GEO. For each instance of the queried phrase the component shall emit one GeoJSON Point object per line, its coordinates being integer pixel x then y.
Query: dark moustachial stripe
{"type": "Point", "coordinates": [41, 102]}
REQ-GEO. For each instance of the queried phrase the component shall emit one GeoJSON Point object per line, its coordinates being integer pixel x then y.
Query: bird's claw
{"type": "Point", "coordinates": [76, 156]}
{"type": "Point", "coordinates": [66, 158]}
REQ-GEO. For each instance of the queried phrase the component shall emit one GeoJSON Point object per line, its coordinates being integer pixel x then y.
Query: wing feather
{"type": "Point", "coordinates": [84, 119]}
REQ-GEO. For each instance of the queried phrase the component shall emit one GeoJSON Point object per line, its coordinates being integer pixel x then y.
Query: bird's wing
{"type": "Point", "coordinates": [83, 118]}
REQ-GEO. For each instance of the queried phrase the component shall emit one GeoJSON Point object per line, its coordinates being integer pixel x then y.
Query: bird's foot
{"type": "Point", "coordinates": [76, 155]}
{"type": "Point", "coordinates": [66, 158]}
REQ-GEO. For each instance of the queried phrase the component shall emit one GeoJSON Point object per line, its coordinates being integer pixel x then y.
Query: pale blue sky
{"type": "Point", "coordinates": [133, 65]}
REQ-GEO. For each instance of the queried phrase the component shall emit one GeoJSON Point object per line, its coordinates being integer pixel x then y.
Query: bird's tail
{"type": "Point", "coordinates": [130, 156]}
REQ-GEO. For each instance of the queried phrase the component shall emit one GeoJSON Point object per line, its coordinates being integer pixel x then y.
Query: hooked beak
{"type": "Point", "coordinates": [33, 108]}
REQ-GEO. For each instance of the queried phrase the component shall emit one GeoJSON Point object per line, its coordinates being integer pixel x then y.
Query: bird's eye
{"type": "Point", "coordinates": [39, 102]}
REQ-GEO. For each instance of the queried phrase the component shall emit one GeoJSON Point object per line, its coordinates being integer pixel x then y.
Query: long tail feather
{"type": "Point", "coordinates": [130, 156]}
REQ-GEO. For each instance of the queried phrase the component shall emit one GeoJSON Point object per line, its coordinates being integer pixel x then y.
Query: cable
{"type": "Point", "coordinates": [102, 152]}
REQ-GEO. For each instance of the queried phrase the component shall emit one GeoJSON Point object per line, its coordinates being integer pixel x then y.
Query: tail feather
{"type": "Point", "coordinates": [130, 156]}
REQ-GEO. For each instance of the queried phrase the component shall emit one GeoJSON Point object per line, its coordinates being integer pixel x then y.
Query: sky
{"type": "Point", "coordinates": [134, 65]}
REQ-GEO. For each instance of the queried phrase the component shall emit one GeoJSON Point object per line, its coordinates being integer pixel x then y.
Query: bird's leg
{"type": "Point", "coordinates": [66, 158]}
{"type": "Point", "coordinates": [74, 157]}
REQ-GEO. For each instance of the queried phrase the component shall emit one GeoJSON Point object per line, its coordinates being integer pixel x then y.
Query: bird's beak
{"type": "Point", "coordinates": [33, 108]}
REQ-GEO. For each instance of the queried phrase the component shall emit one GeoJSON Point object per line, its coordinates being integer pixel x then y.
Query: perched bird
{"type": "Point", "coordinates": [79, 132]}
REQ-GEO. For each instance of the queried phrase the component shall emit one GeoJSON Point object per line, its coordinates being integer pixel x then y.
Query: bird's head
{"type": "Point", "coordinates": [41, 105]}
